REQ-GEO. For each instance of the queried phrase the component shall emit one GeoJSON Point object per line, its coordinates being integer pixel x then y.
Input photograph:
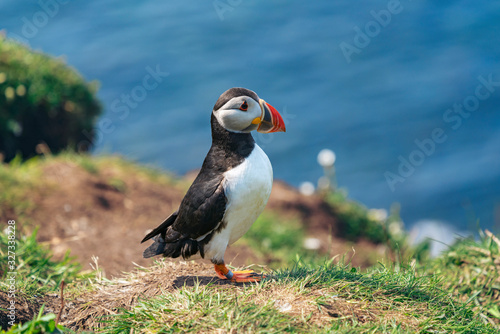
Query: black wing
{"type": "Point", "coordinates": [201, 211]}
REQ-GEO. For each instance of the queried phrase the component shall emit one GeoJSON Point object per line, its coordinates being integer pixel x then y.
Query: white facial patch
{"type": "Point", "coordinates": [232, 118]}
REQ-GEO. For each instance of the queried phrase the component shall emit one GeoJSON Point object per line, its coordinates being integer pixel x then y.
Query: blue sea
{"type": "Point", "coordinates": [406, 93]}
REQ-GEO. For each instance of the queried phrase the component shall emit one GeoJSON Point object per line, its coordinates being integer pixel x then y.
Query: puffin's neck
{"type": "Point", "coordinates": [241, 144]}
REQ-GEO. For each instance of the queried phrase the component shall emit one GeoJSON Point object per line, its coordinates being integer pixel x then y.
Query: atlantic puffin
{"type": "Point", "coordinates": [230, 191]}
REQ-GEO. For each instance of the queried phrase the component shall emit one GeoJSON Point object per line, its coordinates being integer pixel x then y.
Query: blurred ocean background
{"type": "Point", "coordinates": [369, 106]}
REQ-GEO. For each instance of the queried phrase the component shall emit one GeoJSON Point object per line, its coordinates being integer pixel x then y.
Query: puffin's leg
{"type": "Point", "coordinates": [242, 276]}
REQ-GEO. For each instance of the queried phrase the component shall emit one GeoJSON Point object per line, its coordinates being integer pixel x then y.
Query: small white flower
{"type": "Point", "coordinates": [395, 229]}
{"type": "Point", "coordinates": [378, 214]}
{"type": "Point", "coordinates": [306, 188]}
{"type": "Point", "coordinates": [312, 243]}
{"type": "Point", "coordinates": [326, 158]}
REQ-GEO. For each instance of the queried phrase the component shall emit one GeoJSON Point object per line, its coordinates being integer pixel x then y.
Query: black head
{"type": "Point", "coordinates": [241, 110]}
{"type": "Point", "coordinates": [234, 92]}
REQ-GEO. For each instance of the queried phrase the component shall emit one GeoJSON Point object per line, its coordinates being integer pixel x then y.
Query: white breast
{"type": "Point", "coordinates": [247, 188]}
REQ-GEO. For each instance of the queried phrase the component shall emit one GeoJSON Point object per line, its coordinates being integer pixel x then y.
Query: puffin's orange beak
{"type": "Point", "coordinates": [270, 120]}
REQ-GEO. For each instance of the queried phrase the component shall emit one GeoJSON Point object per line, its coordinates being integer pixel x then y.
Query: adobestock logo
{"type": "Point", "coordinates": [372, 29]}
{"type": "Point", "coordinates": [453, 116]}
{"type": "Point", "coordinates": [223, 6]}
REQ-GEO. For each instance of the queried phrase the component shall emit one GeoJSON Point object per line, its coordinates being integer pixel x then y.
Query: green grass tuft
{"type": "Point", "coordinates": [470, 271]}
{"type": "Point", "coordinates": [307, 299]}
{"type": "Point", "coordinates": [404, 289]}
{"type": "Point", "coordinates": [203, 309]}
{"type": "Point", "coordinates": [17, 181]}
{"type": "Point", "coordinates": [36, 272]}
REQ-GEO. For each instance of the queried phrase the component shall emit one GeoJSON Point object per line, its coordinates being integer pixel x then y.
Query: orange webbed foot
{"type": "Point", "coordinates": [242, 276]}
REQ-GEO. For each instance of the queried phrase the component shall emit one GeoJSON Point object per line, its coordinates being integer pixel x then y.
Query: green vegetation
{"type": "Point", "coordinates": [205, 309]}
{"type": "Point", "coordinates": [471, 272]}
{"type": "Point", "coordinates": [40, 324]}
{"type": "Point", "coordinates": [303, 299]}
{"type": "Point", "coordinates": [111, 165]}
{"type": "Point", "coordinates": [17, 180]}
{"type": "Point", "coordinates": [45, 106]}
{"type": "Point", "coordinates": [455, 293]}
{"type": "Point", "coordinates": [357, 222]}
{"type": "Point", "coordinates": [279, 242]}
{"type": "Point", "coordinates": [400, 300]}
{"type": "Point", "coordinates": [36, 272]}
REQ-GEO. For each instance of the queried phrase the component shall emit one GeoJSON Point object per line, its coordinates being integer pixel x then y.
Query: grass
{"type": "Point", "coordinates": [390, 297]}
{"type": "Point", "coordinates": [116, 166]}
{"type": "Point", "coordinates": [17, 181]}
{"type": "Point", "coordinates": [471, 273]}
{"type": "Point", "coordinates": [302, 299]}
{"type": "Point", "coordinates": [204, 309]}
{"type": "Point", "coordinates": [305, 299]}
{"type": "Point", "coordinates": [36, 272]}
{"type": "Point", "coordinates": [358, 222]}
{"type": "Point", "coordinates": [36, 276]}
{"type": "Point", "coordinates": [40, 324]}
{"type": "Point", "coordinates": [355, 221]}
{"type": "Point", "coordinates": [456, 293]}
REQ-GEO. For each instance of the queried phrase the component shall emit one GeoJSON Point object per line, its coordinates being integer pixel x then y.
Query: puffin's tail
{"type": "Point", "coordinates": [175, 245]}
{"type": "Point", "coordinates": [156, 248]}
{"type": "Point", "coordinates": [184, 248]}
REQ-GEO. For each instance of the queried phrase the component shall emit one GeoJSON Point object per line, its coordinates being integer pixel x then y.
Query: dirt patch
{"type": "Point", "coordinates": [375, 310]}
{"type": "Point", "coordinates": [324, 305]}
{"type": "Point", "coordinates": [86, 214]}
{"type": "Point", "coordinates": [26, 307]}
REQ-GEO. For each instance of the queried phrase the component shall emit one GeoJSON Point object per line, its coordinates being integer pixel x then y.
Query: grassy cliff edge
{"type": "Point", "coordinates": [457, 292]}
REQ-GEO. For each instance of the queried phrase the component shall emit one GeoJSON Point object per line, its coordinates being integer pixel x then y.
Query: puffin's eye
{"type": "Point", "coordinates": [244, 106]}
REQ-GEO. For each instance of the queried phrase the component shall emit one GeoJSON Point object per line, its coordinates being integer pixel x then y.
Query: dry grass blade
{"type": "Point", "coordinates": [480, 250]}
{"type": "Point", "coordinates": [493, 237]}
{"type": "Point", "coordinates": [62, 303]}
